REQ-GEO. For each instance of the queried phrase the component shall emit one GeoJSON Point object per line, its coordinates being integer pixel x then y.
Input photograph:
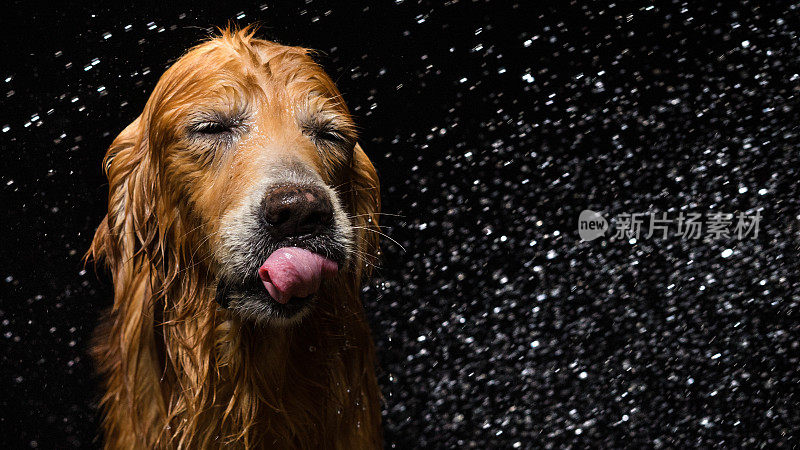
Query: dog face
{"type": "Point", "coordinates": [247, 149]}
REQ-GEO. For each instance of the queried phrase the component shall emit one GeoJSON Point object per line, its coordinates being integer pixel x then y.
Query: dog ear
{"type": "Point", "coordinates": [123, 347]}
{"type": "Point", "coordinates": [366, 204]}
{"type": "Point", "coordinates": [128, 227]}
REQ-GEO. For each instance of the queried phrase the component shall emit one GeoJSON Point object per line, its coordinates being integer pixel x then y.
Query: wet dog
{"type": "Point", "coordinates": [242, 220]}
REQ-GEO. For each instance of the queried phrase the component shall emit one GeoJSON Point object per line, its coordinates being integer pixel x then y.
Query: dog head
{"type": "Point", "coordinates": [244, 174]}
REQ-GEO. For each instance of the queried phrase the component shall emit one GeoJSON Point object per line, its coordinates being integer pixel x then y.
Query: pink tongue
{"type": "Point", "coordinates": [294, 272]}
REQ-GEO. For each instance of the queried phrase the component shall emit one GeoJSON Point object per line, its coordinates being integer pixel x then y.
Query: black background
{"type": "Point", "coordinates": [492, 126]}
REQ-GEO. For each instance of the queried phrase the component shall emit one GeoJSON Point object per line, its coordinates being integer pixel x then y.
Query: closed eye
{"type": "Point", "coordinates": [331, 135]}
{"type": "Point", "coordinates": [215, 125]}
{"type": "Point", "coordinates": [212, 128]}
{"type": "Point", "coordinates": [327, 134]}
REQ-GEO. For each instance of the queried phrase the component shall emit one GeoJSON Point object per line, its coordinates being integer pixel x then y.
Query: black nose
{"type": "Point", "coordinates": [296, 210]}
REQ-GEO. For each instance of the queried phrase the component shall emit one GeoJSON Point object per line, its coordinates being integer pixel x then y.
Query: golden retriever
{"type": "Point", "coordinates": [242, 220]}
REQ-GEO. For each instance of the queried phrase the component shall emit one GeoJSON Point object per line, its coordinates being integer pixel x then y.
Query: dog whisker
{"type": "Point", "coordinates": [382, 234]}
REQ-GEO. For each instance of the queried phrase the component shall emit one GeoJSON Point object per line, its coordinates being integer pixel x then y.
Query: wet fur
{"type": "Point", "coordinates": [179, 370]}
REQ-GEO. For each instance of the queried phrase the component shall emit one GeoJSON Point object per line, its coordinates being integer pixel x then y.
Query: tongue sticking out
{"type": "Point", "coordinates": [294, 272]}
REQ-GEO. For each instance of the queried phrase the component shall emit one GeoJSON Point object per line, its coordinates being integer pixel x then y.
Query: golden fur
{"type": "Point", "coordinates": [181, 371]}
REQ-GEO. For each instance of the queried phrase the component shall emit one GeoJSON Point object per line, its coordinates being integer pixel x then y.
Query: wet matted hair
{"type": "Point", "coordinates": [187, 360]}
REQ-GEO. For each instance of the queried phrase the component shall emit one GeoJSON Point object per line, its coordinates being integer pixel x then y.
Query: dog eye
{"type": "Point", "coordinates": [330, 135]}
{"type": "Point", "coordinates": [212, 128]}
{"type": "Point", "coordinates": [326, 134]}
